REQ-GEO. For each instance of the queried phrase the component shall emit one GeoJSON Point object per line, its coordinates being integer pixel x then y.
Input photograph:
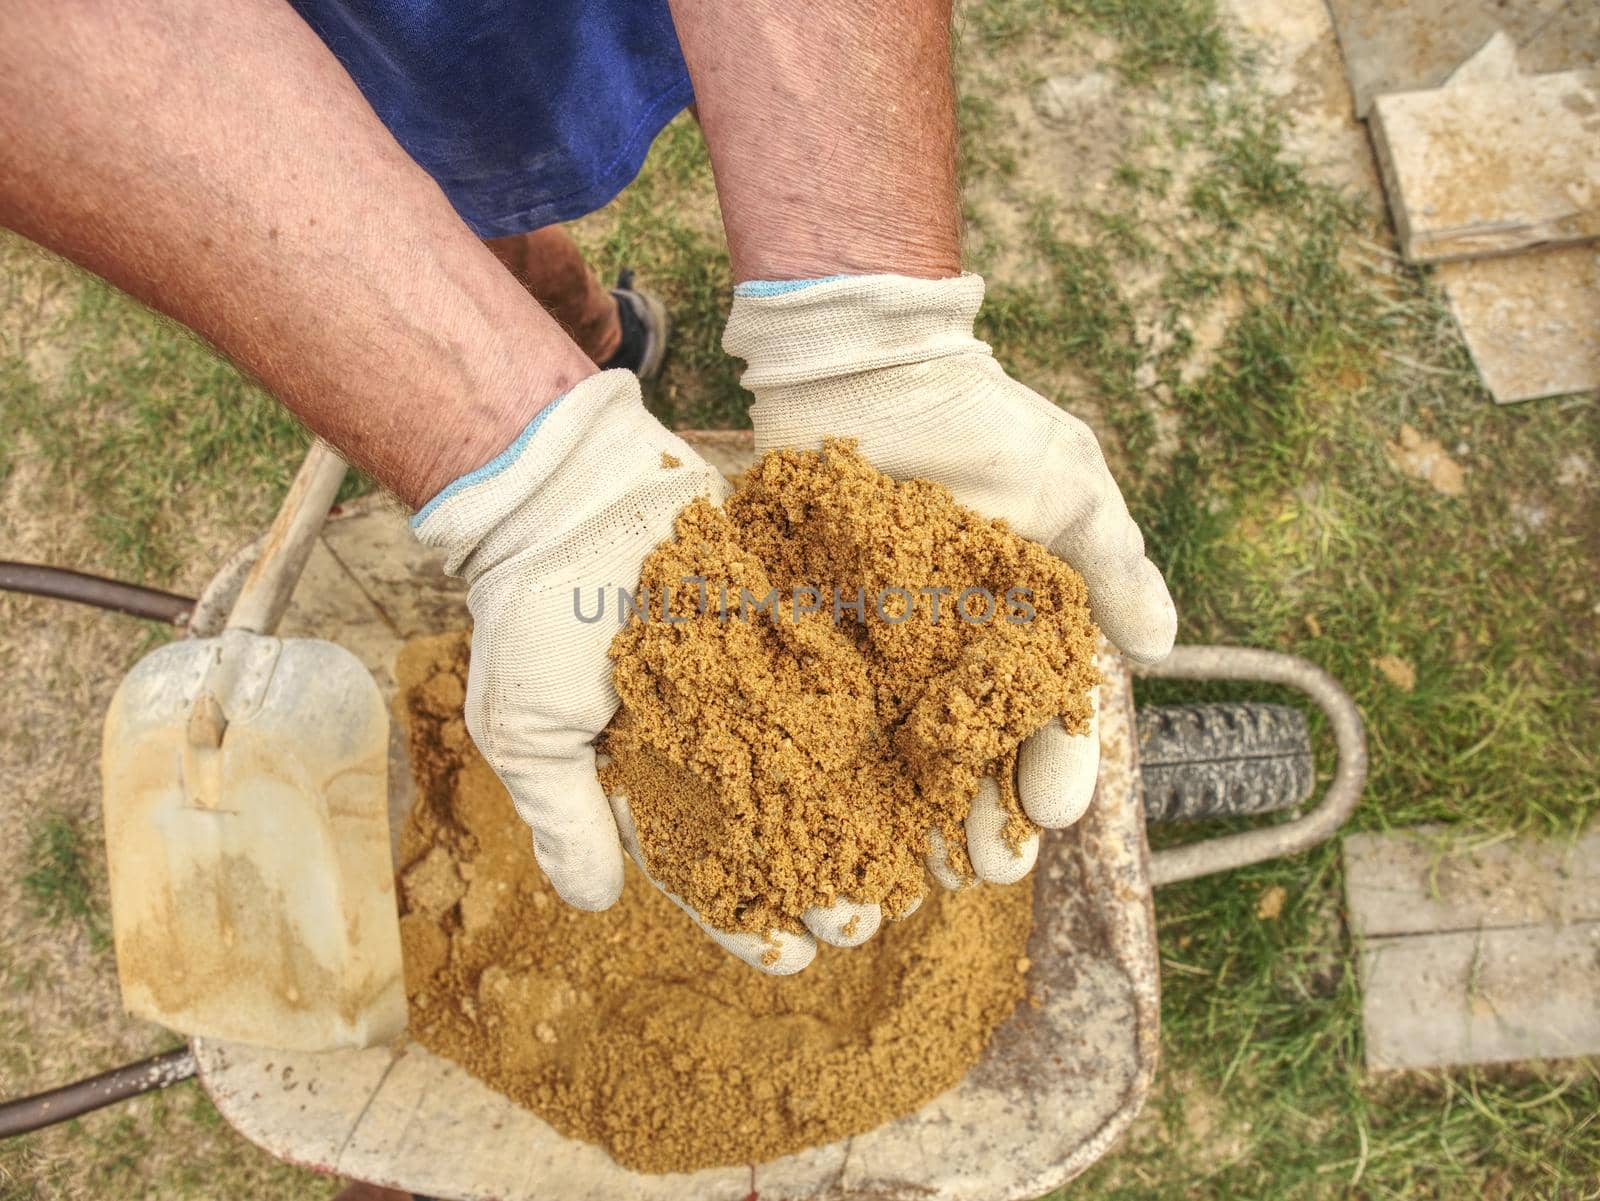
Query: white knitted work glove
{"type": "Point", "coordinates": [892, 362]}
{"type": "Point", "coordinates": [577, 501]}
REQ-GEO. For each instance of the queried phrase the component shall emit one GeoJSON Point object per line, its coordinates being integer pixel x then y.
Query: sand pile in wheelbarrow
{"type": "Point", "coordinates": [831, 663]}
{"type": "Point", "coordinates": [630, 1028]}
{"type": "Point", "coordinates": [841, 658]}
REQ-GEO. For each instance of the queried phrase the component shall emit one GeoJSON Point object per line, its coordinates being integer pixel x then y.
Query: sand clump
{"type": "Point", "coordinates": [630, 1028]}
{"type": "Point", "coordinates": [785, 755]}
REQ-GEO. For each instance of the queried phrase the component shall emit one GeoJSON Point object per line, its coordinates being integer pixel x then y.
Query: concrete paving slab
{"type": "Point", "coordinates": [1495, 62]}
{"type": "Point", "coordinates": [1428, 879]}
{"type": "Point", "coordinates": [1495, 996]}
{"type": "Point", "coordinates": [1400, 47]}
{"type": "Point", "coordinates": [1492, 168]}
{"type": "Point", "coordinates": [1531, 321]}
{"type": "Point", "coordinates": [1570, 39]}
{"type": "Point", "coordinates": [1475, 952]}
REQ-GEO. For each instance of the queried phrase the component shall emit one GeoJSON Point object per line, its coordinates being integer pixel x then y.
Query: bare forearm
{"type": "Point", "coordinates": [216, 162]}
{"type": "Point", "coordinates": [831, 126]}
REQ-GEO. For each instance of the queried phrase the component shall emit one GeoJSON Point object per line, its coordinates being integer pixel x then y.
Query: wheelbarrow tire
{"type": "Point", "coordinates": [1222, 760]}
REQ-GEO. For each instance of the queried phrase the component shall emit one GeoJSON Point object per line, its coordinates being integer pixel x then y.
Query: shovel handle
{"type": "Point", "coordinates": [266, 590]}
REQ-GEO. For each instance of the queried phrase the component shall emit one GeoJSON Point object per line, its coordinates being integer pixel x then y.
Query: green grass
{"type": "Point", "coordinates": [1261, 1026]}
{"type": "Point", "coordinates": [141, 413]}
{"type": "Point", "coordinates": [18, 384]}
{"type": "Point", "coordinates": [138, 1147]}
{"type": "Point", "coordinates": [59, 884]}
{"type": "Point", "coordinates": [1155, 38]}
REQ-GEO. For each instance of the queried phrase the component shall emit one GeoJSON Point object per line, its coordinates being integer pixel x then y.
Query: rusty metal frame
{"type": "Point", "coordinates": [1172, 864]}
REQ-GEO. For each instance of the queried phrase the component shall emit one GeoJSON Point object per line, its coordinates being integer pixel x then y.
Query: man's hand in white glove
{"type": "Point", "coordinates": [892, 362]}
{"type": "Point", "coordinates": [576, 502]}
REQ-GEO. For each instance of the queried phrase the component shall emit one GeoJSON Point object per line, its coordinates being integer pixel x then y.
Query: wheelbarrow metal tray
{"type": "Point", "coordinates": [1059, 1082]}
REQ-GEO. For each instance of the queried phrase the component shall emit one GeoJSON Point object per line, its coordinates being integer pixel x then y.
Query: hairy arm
{"type": "Point", "coordinates": [216, 162]}
{"type": "Point", "coordinates": [832, 132]}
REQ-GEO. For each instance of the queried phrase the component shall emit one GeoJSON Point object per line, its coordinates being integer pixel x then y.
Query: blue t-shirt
{"type": "Point", "coordinates": [526, 113]}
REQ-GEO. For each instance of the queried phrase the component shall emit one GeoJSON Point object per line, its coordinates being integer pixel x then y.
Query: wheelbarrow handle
{"type": "Point", "coordinates": [60, 583]}
{"type": "Point", "coordinates": [83, 1096]}
{"type": "Point", "coordinates": [1269, 842]}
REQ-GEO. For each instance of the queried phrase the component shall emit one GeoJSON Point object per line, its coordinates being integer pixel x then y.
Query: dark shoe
{"type": "Point", "coordinates": [644, 331]}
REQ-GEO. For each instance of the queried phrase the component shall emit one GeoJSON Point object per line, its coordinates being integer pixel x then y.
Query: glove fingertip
{"type": "Point", "coordinates": [778, 953]}
{"type": "Point", "coordinates": [574, 832]}
{"type": "Point", "coordinates": [1057, 772]}
{"type": "Point", "coordinates": [994, 860]}
{"type": "Point", "coordinates": [1008, 864]}
{"type": "Point", "coordinates": [845, 923]}
{"type": "Point", "coordinates": [938, 864]}
{"type": "Point", "coordinates": [1142, 622]}
{"type": "Point", "coordinates": [595, 887]}
{"type": "Point", "coordinates": [786, 955]}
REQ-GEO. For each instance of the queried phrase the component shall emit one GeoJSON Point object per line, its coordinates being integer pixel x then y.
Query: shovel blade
{"type": "Point", "coordinates": [252, 890]}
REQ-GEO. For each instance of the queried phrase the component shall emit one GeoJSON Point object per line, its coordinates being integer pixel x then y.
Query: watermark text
{"type": "Point", "coordinates": [892, 605]}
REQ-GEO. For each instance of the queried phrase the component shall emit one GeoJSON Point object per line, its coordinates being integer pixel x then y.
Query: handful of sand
{"type": "Point", "coordinates": [815, 678]}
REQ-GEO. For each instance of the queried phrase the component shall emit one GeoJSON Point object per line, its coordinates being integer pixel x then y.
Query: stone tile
{"type": "Point", "coordinates": [1492, 168]}
{"type": "Point", "coordinates": [1491, 996]}
{"type": "Point", "coordinates": [1495, 62]}
{"type": "Point", "coordinates": [1475, 954]}
{"type": "Point", "coordinates": [1428, 879]}
{"type": "Point", "coordinates": [1568, 40]}
{"type": "Point", "coordinates": [1531, 321]}
{"type": "Point", "coordinates": [1403, 45]}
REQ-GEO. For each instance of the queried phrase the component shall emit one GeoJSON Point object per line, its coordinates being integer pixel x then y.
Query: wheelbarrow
{"type": "Point", "coordinates": [1057, 1085]}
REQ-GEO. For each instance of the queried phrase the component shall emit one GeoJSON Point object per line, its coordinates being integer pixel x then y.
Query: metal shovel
{"type": "Point", "coordinates": [245, 787]}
